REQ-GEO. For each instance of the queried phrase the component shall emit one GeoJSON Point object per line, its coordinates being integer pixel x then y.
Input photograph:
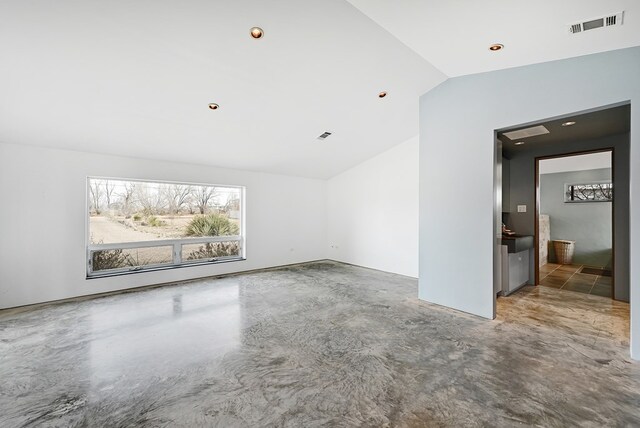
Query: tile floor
{"type": "Point", "coordinates": [569, 277]}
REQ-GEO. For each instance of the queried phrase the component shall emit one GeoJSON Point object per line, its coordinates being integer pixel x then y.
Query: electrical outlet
{"type": "Point", "coordinates": [522, 208]}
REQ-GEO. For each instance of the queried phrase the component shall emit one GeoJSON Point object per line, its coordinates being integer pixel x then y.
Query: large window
{"type": "Point", "coordinates": [143, 225]}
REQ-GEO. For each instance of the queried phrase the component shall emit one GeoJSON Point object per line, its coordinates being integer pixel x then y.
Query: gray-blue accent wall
{"type": "Point", "coordinates": [458, 120]}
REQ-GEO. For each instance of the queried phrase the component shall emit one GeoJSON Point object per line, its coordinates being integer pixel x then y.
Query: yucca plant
{"type": "Point", "coordinates": [215, 249]}
{"type": "Point", "coordinates": [211, 225]}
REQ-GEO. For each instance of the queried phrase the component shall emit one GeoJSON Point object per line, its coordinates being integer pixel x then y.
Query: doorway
{"type": "Point", "coordinates": [519, 151]}
{"type": "Point", "coordinates": [574, 239]}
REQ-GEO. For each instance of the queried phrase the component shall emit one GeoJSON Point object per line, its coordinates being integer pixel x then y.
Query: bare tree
{"type": "Point", "coordinates": [127, 197]}
{"type": "Point", "coordinates": [204, 196]}
{"type": "Point", "coordinates": [606, 190]}
{"type": "Point", "coordinates": [150, 198]}
{"type": "Point", "coordinates": [109, 187]}
{"type": "Point", "coordinates": [178, 195]}
{"type": "Point", "coordinates": [233, 204]}
{"type": "Point", "coordinates": [95, 193]}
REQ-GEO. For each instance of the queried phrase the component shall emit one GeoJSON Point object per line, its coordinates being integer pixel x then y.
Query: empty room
{"type": "Point", "coordinates": [322, 213]}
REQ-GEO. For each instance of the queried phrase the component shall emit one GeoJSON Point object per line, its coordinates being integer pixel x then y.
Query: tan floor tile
{"type": "Point", "coordinates": [604, 280]}
{"type": "Point", "coordinates": [552, 282]}
{"type": "Point", "coordinates": [600, 290]}
{"type": "Point", "coordinates": [560, 275]}
{"type": "Point", "coordinates": [579, 282]}
{"type": "Point", "coordinates": [548, 268]}
{"type": "Point", "coordinates": [569, 268]}
{"type": "Point", "coordinates": [578, 286]}
{"type": "Point", "coordinates": [585, 277]}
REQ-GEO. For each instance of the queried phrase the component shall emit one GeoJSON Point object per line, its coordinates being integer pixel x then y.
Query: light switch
{"type": "Point", "coordinates": [522, 208]}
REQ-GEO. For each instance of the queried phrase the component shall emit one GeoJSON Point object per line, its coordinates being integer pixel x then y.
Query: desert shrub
{"type": "Point", "coordinates": [211, 225]}
{"type": "Point", "coordinates": [137, 217]}
{"type": "Point", "coordinates": [153, 221]}
{"type": "Point", "coordinates": [212, 250]}
{"type": "Point", "coordinates": [111, 259]}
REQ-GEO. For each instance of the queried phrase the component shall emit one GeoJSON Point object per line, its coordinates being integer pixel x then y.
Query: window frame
{"type": "Point", "coordinates": [176, 244]}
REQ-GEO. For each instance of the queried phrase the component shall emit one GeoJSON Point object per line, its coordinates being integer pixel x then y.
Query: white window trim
{"type": "Point", "coordinates": [177, 244]}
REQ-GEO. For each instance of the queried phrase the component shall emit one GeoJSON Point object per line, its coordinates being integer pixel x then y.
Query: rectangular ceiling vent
{"type": "Point", "coordinates": [324, 135]}
{"type": "Point", "coordinates": [526, 133]}
{"type": "Point", "coordinates": [605, 21]}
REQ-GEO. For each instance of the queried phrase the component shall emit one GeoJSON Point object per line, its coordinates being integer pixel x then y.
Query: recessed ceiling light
{"type": "Point", "coordinates": [570, 123]}
{"type": "Point", "coordinates": [256, 32]}
{"type": "Point", "coordinates": [496, 47]}
{"type": "Point", "coordinates": [519, 143]}
{"type": "Point", "coordinates": [214, 106]}
{"type": "Point", "coordinates": [382, 94]}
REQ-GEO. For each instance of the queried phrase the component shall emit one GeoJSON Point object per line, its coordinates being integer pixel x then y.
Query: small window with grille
{"type": "Point", "coordinates": [589, 192]}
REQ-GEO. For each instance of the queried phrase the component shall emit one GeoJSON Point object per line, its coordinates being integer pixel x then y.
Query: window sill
{"type": "Point", "coordinates": [111, 274]}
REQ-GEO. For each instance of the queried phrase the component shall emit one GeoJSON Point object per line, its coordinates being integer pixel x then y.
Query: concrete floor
{"type": "Point", "coordinates": [322, 344]}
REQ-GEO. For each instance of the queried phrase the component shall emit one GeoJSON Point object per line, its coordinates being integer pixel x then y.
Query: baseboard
{"type": "Point", "coordinates": [20, 308]}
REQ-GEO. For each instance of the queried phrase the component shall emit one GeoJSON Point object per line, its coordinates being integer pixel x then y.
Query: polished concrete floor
{"type": "Point", "coordinates": [322, 344]}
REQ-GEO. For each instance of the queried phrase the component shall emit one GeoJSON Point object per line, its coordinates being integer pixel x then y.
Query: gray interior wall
{"type": "Point", "coordinates": [506, 188]}
{"type": "Point", "coordinates": [523, 192]}
{"type": "Point", "coordinates": [589, 224]}
{"type": "Point", "coordinates": [458, 121]}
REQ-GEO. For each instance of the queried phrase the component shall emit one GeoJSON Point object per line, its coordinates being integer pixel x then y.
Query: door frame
{"type": "Point", "coordinates": [537, 211]}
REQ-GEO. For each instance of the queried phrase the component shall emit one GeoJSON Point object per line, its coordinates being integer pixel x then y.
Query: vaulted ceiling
{"type": "Point", "coordinates": [454, 35]}
{"type": "Point", "coordinates": [135, 78]}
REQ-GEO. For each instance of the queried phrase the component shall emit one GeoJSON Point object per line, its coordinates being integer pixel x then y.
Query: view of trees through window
{"type": "Point", "coordinates": [138, 224]}
{"type": "Point", "coordinates": [591, 192]}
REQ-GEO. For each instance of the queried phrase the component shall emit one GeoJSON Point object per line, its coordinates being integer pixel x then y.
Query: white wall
{"type": "Point", "coordinates": [42, 221]}
{"type": "Point", "coordinates": [458, 120]}
{"type": "Point", "coordinates": [373, 212]}
{"type": "Point", "coordinates": [576, 163]}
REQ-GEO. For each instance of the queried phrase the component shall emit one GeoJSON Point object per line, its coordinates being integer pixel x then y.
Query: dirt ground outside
{"type": "Point", "coordinates": [116, 229]}
{"type": "Point", "coordinates": [107, 229]}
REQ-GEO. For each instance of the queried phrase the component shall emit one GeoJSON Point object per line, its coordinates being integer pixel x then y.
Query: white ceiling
{"type": "Point", "coordinates": [576, 163]}
{"type": "Point", "coordinates": [454, 35]}
{"type": "Point", "coordinates": [134, 78]}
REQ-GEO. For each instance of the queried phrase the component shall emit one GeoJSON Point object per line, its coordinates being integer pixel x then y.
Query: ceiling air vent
{"type": "Point", "coordinates": [575, 28]}
{"type": "Point", "coordinates": [324, 135]}
{"type": "Point", "coordinates": [605, 21]}
{"type": "Point", "coordinates": [526, 133]}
